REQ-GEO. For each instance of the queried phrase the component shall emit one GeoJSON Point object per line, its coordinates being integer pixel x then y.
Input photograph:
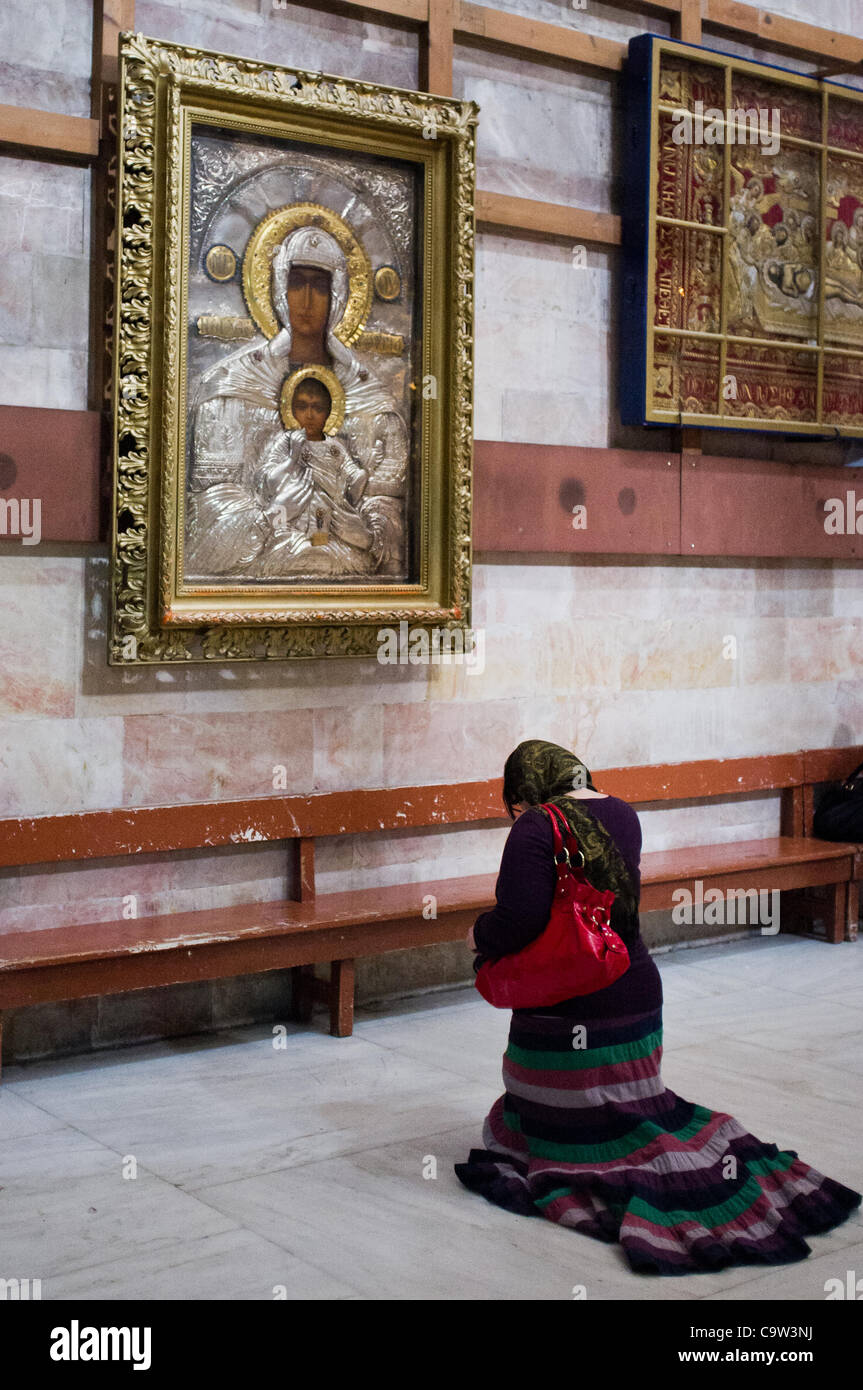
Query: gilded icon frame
{"type": "Point", "coordinates": [166, 93]}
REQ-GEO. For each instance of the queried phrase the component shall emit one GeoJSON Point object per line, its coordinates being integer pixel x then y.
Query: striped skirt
{"type": "Point", "coordinates": [587, 1135]}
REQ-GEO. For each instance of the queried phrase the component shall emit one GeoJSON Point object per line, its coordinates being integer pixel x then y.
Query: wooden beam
{"type": "Point", "coordinates": [50, 131]}
{"type": "Point", "coordinates": [436, 48]}
{"type": "Point", "coordinates": [665, 8]}
{"type": "Point", "coordinates": [501, 212]}
{"type": "Point", "coordinates": [479, 24]}
{"type": "Point", "coordinates": [110, 19]}
{"type": "Point", "coordinates": [686, 25]}
{"type": "Point", "coordinates": [787, 35]}
{"type": "Point", "coordinates": [409, 11]}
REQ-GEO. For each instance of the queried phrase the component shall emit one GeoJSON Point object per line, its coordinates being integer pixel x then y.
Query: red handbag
{"type": "Point", "coordinates": [578, 952]}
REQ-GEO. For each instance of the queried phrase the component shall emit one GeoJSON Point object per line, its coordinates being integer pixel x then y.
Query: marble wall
{"type": "Point", "coordinates": [621, 659]}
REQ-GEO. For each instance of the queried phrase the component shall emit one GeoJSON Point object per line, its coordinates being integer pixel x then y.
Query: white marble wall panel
{"type": "Point", "coordinates": [545, 132]}
{"type": "Point", "coordinates": [44, 284]}
{"type": "Point", "coordinates": [291, 34]}
{"type": "Point", "coordinates": [544, 346]}
{"type": "Point", "coordinates": [48, 766]}
{"type": "Point", "coordinates": [45, 55]}
{"type": "Point", "coordinates": [606, 21]}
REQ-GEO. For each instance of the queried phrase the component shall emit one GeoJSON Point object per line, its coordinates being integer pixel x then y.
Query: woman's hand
{"type": "Point", "coordinates": [470, 941]}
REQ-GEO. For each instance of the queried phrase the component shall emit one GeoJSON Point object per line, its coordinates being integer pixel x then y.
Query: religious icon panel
{"type": "Point", "coordinates": [743, 245]}
{"type": "Point", "coordinates": [307, 474]}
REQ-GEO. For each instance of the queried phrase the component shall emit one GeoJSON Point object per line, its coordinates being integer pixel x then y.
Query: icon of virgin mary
{"type": "Point", "coordinates": [238, 425]}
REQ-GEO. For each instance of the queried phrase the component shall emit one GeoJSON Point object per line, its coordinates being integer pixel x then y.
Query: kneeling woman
{"type": "Point", "coordinates": [587, 1135]}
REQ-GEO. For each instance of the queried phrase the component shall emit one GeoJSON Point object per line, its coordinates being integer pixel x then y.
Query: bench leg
{"type": "Point", "coordinates": [837, 913]}
{"type": "Point", "coordinates": [341, 998]}
{"type": "Point", "coordinates": [853, 910]}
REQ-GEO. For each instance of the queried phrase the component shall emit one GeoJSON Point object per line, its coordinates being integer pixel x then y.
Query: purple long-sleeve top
{"type": "Point", "coordinates": [527, 878]}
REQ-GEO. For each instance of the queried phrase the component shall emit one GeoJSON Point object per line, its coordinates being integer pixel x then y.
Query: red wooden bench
{"type": "Point", "coordinates": [89, 959]}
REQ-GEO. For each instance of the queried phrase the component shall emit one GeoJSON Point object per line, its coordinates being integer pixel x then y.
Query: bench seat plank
{"type": "Point", "coordinates": [243, 922]}
{"type": "Point", "coordinates": [745, 856]}
{"type": "Point", "coordinates": [403, 903]}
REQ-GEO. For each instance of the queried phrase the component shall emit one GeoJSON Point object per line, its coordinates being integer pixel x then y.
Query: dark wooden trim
{"type": "Point", "coordinates": [793, 812]}
{"type": "Point", "coordinates": [501, 31]}
{"type": "Point", "coordinates": [853, 915]}
{"type": "Point", "coordinates": [771, 30]}
{"type": "Point", "coordinates": [662, 502]}
{"type": "Point", "coordinates": [342, 998]}
{"type": "Point", "coordinates": [831, 764]}
{"type": "Point", "coordinates": [436, 48]}
{"type": "Point", "coordinates": [25, 130]}
{"type": "Point", "coordinates": [686, 25]}
{"type": "Point", "coordinates": [505, 213]}
{"type": "Point", "coordinates": [305, 869]}
{"type": "Point", "coordinates": [186, 959]}
{"type": "Point", "coordinates": [157, 829]}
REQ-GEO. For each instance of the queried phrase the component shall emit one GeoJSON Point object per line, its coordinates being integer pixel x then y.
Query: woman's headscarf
{"type": "Point", "coordinates": [537, 771]}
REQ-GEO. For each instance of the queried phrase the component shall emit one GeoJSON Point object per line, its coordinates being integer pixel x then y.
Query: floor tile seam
{"type": "Point", "coordinates": [111, 1148]}
{"type": "Point", "coordinates": [279, 1245]}
{"type": "Point", "coordinates": [347, 1153]}
{"type": "Point", "coordinates": [230, 1229]}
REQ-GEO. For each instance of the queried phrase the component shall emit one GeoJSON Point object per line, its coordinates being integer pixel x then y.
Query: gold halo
{"type": "Point", "coordinates": [336, 417]}
{"type": "Point", "coordinates": [258, 262]}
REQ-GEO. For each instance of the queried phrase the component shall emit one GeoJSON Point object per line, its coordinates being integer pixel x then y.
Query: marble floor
{"type": "Point", "coordinates": [224, 1167]}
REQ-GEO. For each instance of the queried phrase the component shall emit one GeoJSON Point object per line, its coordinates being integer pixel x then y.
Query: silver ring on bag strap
{"type": "Point", "coordinates": [558, 836]}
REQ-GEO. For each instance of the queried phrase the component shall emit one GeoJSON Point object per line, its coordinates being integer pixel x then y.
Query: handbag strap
{"type": "Point", "coordinates": [847, 784]}
{"type": "Point", "coordinates": [562, 851]}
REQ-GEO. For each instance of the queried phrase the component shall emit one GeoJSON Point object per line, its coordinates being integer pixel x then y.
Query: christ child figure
{"type": "Point", "coordinates": [310, 485]}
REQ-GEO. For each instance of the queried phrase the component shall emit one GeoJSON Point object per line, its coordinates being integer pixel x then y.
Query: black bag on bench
{"type": "Point", "coordinates": [840, 811]}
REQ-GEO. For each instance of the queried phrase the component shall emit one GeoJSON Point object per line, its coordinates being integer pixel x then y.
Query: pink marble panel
{"type": "Point", "coordinates": [44, 896]}
{"type": "Point", "coordinates": [348, 748]}
{"type": "Point", "coordinates": [764, 647]}
{"type": "Point", "coordinates": [676, 655]}
{"type": "Point", "coordinates": [172, 758]}
{"type": "Point", "coordinates": [457, 742]}
{"type": "Point", "coordinates": [826, 649]}
{"type": "Point", "coordinates": [40, 634]}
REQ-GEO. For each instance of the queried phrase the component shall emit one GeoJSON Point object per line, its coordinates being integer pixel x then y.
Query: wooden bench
{"type": "Point", "coordinates": [88, 959]}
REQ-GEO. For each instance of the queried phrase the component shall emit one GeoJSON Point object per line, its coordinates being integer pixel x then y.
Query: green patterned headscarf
{"type": "Point", "coordinates": [538, 771]}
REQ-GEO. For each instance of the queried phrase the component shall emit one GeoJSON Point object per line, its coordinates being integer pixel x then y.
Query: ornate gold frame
{"type": "Point", "coordinates": [161, 86]}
